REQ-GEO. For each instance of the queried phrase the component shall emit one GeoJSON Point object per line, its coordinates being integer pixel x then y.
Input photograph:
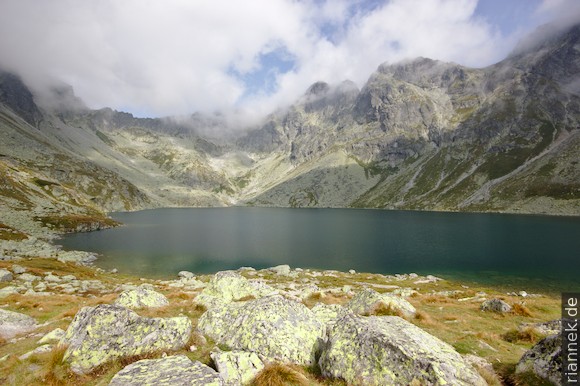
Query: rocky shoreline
{"type": "Point", "coordinates": [241, 327]}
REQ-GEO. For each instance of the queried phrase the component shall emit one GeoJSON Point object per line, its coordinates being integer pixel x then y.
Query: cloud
{"type": "Point", "coordinates": [175, 57]}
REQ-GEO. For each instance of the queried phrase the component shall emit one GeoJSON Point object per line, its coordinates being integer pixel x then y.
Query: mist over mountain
{"type": "Point", "coordinates": [420, 134]}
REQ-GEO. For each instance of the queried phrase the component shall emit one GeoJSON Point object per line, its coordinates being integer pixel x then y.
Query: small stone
{"type": "Point", "coordinates": [52, 278]}
{"type": "Point", "coordinates": [39, 350]}
{"type": "Point", "coordinates": [351, 271]}
{"type": "Point", "coordinates": [7, 291]}
{"type": "Point", "coordinates": [523, 294]}
{"type": "Point", "coordinates": [114, 270]}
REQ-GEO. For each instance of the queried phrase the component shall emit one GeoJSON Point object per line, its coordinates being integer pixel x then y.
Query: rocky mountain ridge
{"type": "Point", "coordinates": [420, 134]}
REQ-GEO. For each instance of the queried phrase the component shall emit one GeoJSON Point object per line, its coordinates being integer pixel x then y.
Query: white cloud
{"type": "Point", "coordinates": [174, 57]}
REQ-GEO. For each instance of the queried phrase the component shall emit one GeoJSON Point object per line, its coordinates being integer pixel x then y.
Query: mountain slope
{"type": "Point", "coordinates": [420, 134]}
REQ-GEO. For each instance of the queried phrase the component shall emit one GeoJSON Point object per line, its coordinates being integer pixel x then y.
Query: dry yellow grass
{"type": "Point", "coordinates": [279, 374]}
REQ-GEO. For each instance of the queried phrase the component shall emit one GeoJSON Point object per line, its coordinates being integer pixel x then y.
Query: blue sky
{"type": "Point", "coordinates": [176, 57]}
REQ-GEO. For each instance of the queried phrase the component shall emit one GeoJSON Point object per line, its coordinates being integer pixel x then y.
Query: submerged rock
{"type": "Point", "coordinates": [370, 302]}
{"type": "Point", "coordinates": [388, 350]}
{"type": "Point", "coordinates": [495, 305]}
{"type": "Point", "coordinates": [106, 332]}
{"type": "Point", "coordinates": [141, 297]}
{"type": "Point", "coordinates": [173, 370]}
{"type": "Point", "coordinates": [236, 367]}
{"type": "Point", "coordinates": [230, 286]}
{"type": "Point", "coordinates": [544, 359]}
{"type": "Point", "coordinates": [273, 327]}
{"type": "Point", "coordinates": [13, 323]}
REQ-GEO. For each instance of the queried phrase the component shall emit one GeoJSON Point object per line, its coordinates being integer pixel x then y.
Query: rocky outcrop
{"type": "Point", "coordinates": [141, 297]}
{"type": "Point", "coordinates": [388, 350]}
{"type": "Point", "coordinates": [105, 332]}
{"type": "Point", "coordinates": [14, 323]}
{"type": "Point", "coordinates": [273, 327]}
{"type": "Point", "coordinates": [495, 305]}
{"type": "Point", "coordinates": [236, 367]}
{"type": "Point", "coordinates": [370, 302]}
{"type": "Point", "coordinates": [544, 359]}
{"type": "Point", "coordinates": [230, 286]}
{"type": "Point", "coordinates": [173, 370]}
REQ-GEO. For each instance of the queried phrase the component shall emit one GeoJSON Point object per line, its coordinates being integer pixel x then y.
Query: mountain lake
{"type": "Point", "coordinates": [517, 251]}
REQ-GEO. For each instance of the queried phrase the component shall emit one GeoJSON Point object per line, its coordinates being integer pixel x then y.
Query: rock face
{"type": "Point", "coordinates": [544, 359]}
{"type": "Point", "coordinates": [229, 286]}
{"type": "Point", "coordinates": [106, 332]}
{"type": "Point", "coordinates": [174, 370]}
{"type": "Point", "coordinates": [141, 297]}
{"type": "Point", "coordinates": [14, 323]}
{"type": "Point", "coordinates": [370, 302]}
{"type": "Point", "coordinates": [388, 350]}
{"type": "Point", "coordinates": [272, 327]}
{"type": "Point", "coordinates": [496, 305]}
{"type": "Point", "coordinates": [237, 367]}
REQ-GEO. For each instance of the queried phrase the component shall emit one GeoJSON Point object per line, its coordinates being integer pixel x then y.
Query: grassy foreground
{"type": "Point", "coordinates": [446, 309]}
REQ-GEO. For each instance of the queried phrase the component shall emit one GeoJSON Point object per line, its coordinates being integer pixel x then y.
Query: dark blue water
{"type": "Point", "coordinates": [527, 251]}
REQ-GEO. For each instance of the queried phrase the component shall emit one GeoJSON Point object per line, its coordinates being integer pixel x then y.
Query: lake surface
{"type": "Point", "coordinates": [519, 250]}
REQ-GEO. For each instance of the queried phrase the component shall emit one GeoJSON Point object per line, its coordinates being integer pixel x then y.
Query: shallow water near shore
{"type": "Point", "coordinates": [516, 251]}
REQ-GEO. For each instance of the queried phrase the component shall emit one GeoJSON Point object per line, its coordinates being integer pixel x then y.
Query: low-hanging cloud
{"type": "Point", "coordinates": [175, 57]}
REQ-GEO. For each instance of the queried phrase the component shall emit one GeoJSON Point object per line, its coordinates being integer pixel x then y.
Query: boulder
{"type": "Point", "coordinates": [172, 370]}
{"type": "Point", "coordinates": [7, 291]}
{"type": "Point", "coordinates": [5, 275]}
{"type": "Point", "coordinates": [544, 359]}
{"type": "Point", "coordinates": [13, 323]}
{"type": "Point", "coordinates": [106, 332]}
{"type": "Point", "coordinates": [52, 337]}
{"type": "Point", "coordinates": [18, 269]}
{"type": "Point", "coordinates": [545, 328]}
{"type": "Point", "coordinates": [282, 270]}
{"type": "Point", "coordinates": [28, 277]}
{"type": "Point", "coordinates": [495, 305]}
{"type": "Point", "coordinates": [230, 286]}
{"type": "Point", "coordinates": [237, 367]}
{"type": "Point", "coordinates": [327, 313]}
{"type": "Point", "coordinates": [141, 297]}
{"type": "Point", "coordinates": [370, 302]}
{"type": "Point", "coordinates": [388, 350]}
{"type": "Point", "coordinates": [185, 275]}
{"type": "Point", "coordinates": [274, 327]}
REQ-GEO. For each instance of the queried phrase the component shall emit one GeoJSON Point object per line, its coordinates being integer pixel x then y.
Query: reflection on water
{"type": "Point", "coordinates": [488, 248]}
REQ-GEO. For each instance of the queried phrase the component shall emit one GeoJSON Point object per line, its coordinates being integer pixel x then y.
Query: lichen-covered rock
{"type": "Point", "coordinates": [106, 332]}
{"type": "Point", "coordinates": [388, 350]}
{"type": "Point", "coordinates": [141, 297]}
{"type": "Point", "coordinates": [7, 291]}
{"type": "Point", "coordinates": [327, 313]}
{"type": "Point", "coordinates": [13, 323]}
{"type": "Point", "coordinates": [282, 270]}
{"type": "Point", "coordinates": [52, 337]}
{"type": "Point", "coordinates": [5, 275]}
{"type": "Point", "coordinates": [545, 328]}
{"type": "Point", "coordinates": [495, 305]}
{"type": "Point", "coordinates": [230, 286]}
{"type": "Point", "coordinates": [172, 370]}
{"type": "Point", "coordinates": [369, 302]}
{"type": "Point", "coordinates": [273, 327]}
{"type": "Point", "coordinates": [236, 367]}
{"type": "Point", "coordinates": [544, 359]}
